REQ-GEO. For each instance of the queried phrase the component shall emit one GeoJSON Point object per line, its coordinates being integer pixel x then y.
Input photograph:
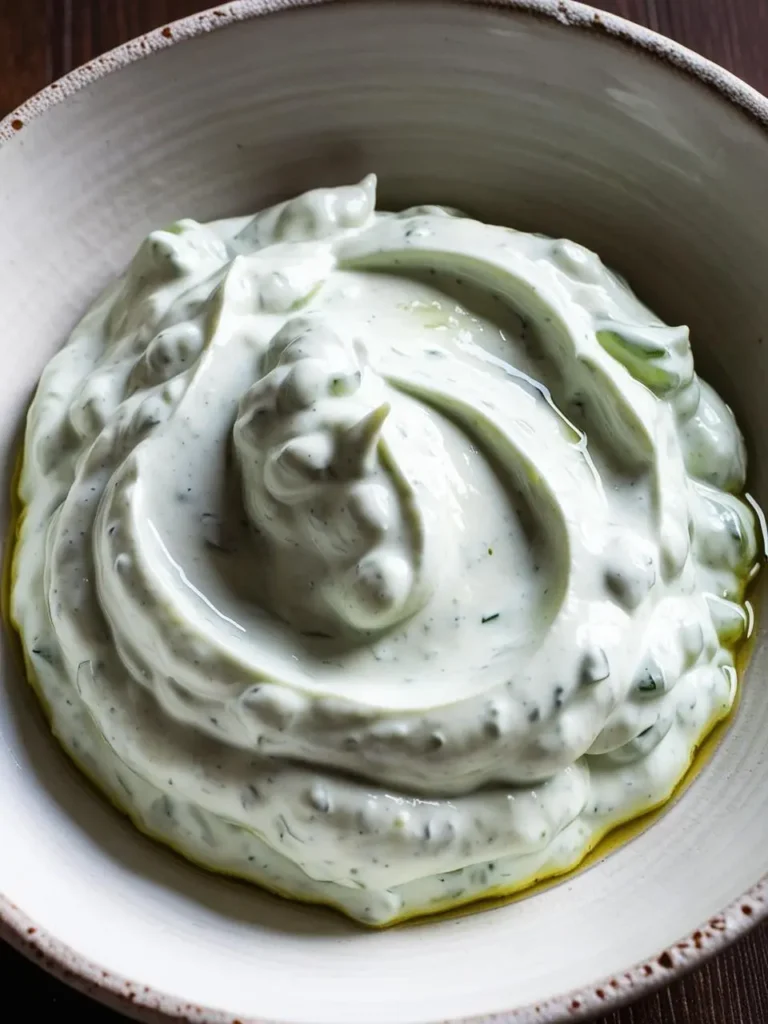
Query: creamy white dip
{"type": "Point", "coordinates": [386, 560]}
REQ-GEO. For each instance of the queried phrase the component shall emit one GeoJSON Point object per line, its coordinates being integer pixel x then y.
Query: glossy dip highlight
{"type": "Point", "coordinates": [385, 560]}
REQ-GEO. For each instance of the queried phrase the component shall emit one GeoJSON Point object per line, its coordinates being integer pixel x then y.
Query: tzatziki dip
{"type": "Point", "coordinates": [386, 560]}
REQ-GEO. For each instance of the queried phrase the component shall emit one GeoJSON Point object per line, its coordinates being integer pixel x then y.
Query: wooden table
{"type": "Point", "coordinates": [43, 39]}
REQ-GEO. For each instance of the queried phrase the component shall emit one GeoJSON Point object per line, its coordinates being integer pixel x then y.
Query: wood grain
{"type": "Point", "coordinates": [41, 40]}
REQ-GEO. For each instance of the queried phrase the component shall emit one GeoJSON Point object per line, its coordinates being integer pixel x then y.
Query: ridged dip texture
{"type": "Point", "coordinates": [387, 560]}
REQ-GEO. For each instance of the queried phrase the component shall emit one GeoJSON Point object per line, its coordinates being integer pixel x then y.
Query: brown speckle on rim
{"type": "Point", "coordinates": [600, 993]}
{"type": "Point", "coordinates": [575, 1005]}
{"type": "Point", "coordinates": [167, 32]}
{"type": "Point", "coordinates": [647, 970]}
{"type": "Point", "coordinates": [31, 931]}
{"type": "Point", "coordinates": [17, 124]}
{"type": "Point", "coordinates": [718, 923]}
{"type": "Point", "coordinates": [614, 983]}
{"type": "Point", "coordinates": [746, 909]}
{"type": "Point", "coordinates": [220, 14]}
{"type": "Point", "coordinates": [666, 961]}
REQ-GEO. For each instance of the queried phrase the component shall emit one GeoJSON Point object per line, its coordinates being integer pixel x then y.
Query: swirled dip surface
{"type": "Point", "coordinates": [386, 560]}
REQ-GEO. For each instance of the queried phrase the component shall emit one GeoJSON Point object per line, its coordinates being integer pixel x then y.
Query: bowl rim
{"type": "Point", "coordinates": [605, 995]}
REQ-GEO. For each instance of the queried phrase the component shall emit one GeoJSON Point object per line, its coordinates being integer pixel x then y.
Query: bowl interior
{"type": "Point", "coordinates": [517, 118]}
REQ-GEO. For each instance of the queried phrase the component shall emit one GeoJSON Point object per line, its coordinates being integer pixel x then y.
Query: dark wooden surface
{"type": "Point", "coordinates": [41, 40]}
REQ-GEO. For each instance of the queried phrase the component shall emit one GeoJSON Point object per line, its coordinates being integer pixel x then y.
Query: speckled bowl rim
{"type": "Point", "coordinates": [147, 1004]}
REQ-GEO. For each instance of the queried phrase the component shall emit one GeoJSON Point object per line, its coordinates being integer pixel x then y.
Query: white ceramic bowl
{"type": "Point", "coordinates": [546, 115]}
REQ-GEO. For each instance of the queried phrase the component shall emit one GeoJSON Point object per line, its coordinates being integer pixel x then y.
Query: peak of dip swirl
{"type": "Point", "coordinates": [385, 560]}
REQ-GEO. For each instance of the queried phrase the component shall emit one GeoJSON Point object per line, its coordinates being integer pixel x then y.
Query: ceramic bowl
{"type": "Point", "coordinates": [548, 116]}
